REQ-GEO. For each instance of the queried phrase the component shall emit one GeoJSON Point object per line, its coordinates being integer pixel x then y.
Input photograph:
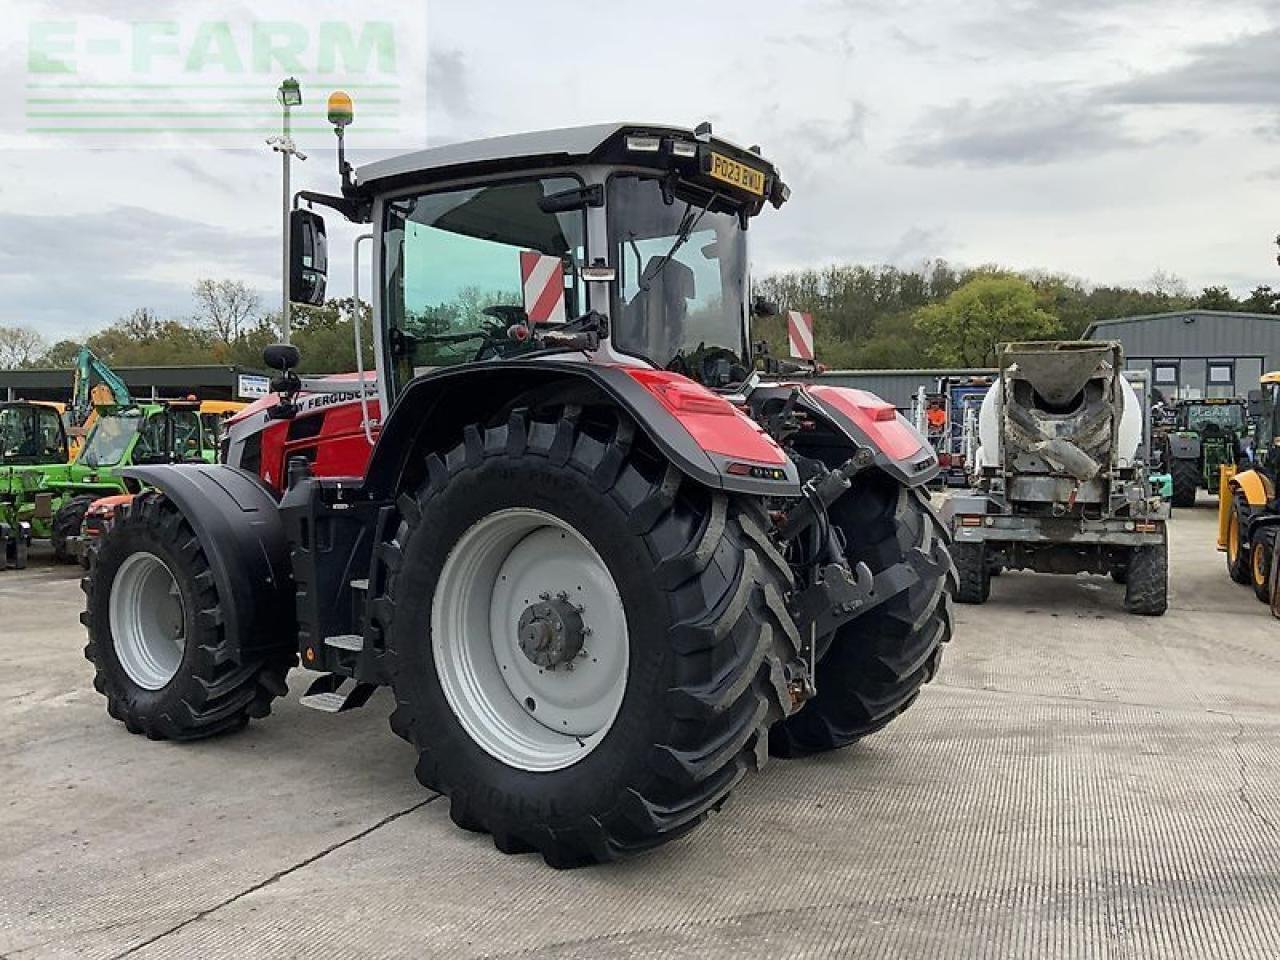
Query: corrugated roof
{"type": "Point", "coordinates": [1088, 331]}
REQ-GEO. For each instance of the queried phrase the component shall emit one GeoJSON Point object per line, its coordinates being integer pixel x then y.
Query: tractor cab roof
{"type": "Point", "coordinates": [695, 154]}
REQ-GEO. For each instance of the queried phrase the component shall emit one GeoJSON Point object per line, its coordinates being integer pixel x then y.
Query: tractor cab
{"type": "Point", "coordinates": [170, 432]}
{"type": "Point", "coordinates": [31, 434]}
{"type": "Point", "coordinates": [619, 243]}
{"type": "Point", "coordinates": [1212, 417]}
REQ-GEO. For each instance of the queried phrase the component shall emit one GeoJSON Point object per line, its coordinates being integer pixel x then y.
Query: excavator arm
{"type": "Point", "coordinates": [88, 367]}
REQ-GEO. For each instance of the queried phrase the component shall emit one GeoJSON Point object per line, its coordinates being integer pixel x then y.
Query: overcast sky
{"type": "Point", "coordinates": [1104, 138]}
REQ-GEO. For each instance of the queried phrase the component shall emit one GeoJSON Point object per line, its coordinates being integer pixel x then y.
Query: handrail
{"type": "Point", "coordinates": [355, 327]}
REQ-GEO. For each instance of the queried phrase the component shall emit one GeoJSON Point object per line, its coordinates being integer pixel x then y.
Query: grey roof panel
{"type": "Point", "coordinates": [566, 141]}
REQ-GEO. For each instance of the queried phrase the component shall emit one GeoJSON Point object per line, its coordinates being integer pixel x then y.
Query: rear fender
{"type": "Point", "coordinates": [863, 420]}
{"type": "Point", "coordinates": [240, 531]}
{"type": "Point", "coordinates": [701, 433]}
{"type": "Point", "coordinates": [1184, 447]}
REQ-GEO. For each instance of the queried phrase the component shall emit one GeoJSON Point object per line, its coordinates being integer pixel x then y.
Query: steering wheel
{"type": "Point", "coordinates": [507, 314]}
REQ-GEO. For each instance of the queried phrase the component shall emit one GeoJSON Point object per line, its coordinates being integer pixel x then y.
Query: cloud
{"type": "Point", "coordinates": [1022, 130]}
{"type": "Point", "coordinates": [112, 261]}
{"type": "Point", "coordinates": [1243, 71]}
{"type": "Point", "coordinates": [836, 134]}
{"type": "Point", "coordinates": [447, 88]}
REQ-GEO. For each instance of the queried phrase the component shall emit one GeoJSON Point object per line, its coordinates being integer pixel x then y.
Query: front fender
{"type": "Point", "coordinates": [1256, 488]}
{"type": "Point", "coordinates": [701, 433]}
{"type": "Point", "coordinates": [239, 527]}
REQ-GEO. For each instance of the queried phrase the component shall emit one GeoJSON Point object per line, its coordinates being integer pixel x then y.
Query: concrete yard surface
{"type": "Point", "coordinates": [1077, 782]}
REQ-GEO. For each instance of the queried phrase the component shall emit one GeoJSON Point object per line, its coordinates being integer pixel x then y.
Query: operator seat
{"type": "Point", "coordinates": [657, 316]}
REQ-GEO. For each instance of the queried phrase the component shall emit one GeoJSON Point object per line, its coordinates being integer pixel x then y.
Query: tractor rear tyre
{"type": "Point", "coordinates": [1146, 591]}
{"type": "Point", "coordinates": [875, 665]}
{"type": "Point", "coordinates": [156, 635]}
{"type": "Point", "coordinates": [1261, 556]}
{"type": "Point", "coordinates": [1186, 480]}
{"type": "Point", "coordinates": [972, 573]}
{"type": "Point", "coordinates": [66, 525]}
{"type": "Point", "coordinates": [1237, 549]}
{"type": "Point", "coordinates": [586, 648]}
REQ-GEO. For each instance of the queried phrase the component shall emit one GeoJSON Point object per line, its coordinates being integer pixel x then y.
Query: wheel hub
{"type": "Point", "coordinates": [551, 632]}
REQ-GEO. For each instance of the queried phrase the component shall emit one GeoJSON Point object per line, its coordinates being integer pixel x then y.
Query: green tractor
{"type": "Point", "coordinates": [52, 499]}
{"type": "Point", "coordinates": [1206, 435]}
{"type": "Point", "coordinates": [33, 454]}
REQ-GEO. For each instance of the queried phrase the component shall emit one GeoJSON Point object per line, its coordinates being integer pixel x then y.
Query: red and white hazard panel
{"type": "Point", "coordinates": [800, 333]}
{"type": "Point", "coordinates": [542, 278]}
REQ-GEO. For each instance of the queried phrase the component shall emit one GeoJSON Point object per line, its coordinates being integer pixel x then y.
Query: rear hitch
{"type": "Point", "coordinates": [819, 493]}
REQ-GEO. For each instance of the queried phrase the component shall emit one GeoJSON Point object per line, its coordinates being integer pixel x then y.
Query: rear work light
{"type": "Point", "coordinates": [644, 144]}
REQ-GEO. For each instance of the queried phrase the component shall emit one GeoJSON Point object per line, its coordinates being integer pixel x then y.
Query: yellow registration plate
{"type": "Point", "coordinates": [737, 174]}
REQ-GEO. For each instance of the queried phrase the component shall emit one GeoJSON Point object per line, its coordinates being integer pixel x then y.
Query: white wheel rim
{"type": "Point", "coordinates": [148, 620]}
{"type": "Point", "coordinates": [527, 716]}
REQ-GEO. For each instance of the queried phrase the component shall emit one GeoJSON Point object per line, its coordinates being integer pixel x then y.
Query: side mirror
{"type": "Point", "coordinates": [1255, 403]}
{"type": "Point", "coordinates": [281, 356]}
{"type": "Point", "coordinates": [308, 257]}
{"type": "Point", "coordinates": [760, 307]}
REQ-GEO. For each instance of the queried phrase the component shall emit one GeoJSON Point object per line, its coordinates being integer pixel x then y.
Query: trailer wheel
{"type": "Point", "coordinates": [586, 649]}
{"type": "Point", "coordinates": [66, 525]}
{"type": "Point", "coordinates": [1147, 591]}
{"type": "Point", "coordinates": [875, 665]}
{"type": "Point", "coordinates": [1186, 480]}
{"type": "Point", "coordinates": [1237, 549]}
{"type": "Point", "coordinates": [1261, 556]}
{"type": "Point", "coordinates": [156, 636]}
{"type": "Point", "coordinates": [972, 573]}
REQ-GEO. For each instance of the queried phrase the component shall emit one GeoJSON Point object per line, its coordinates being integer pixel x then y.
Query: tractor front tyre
{"type": "Point", "coordinates": [586, 648]}
{"type": "Point", "coordinates": [875, 665]}
{"type": "Point", "coordinates": [1146, 590]}
{"type": "Point", "coordinates": [973, 575]}
{"type": "Point", "coordinates": [1237, 549]}
{"type": "Point", "coordinates": [1186, 480]}
{"type": "Point", "coordinates": [156, 635]}
{"type": "Point", "coordinates": [66, 526]}
{"type": "Point", "coordinates": [1261, 556]}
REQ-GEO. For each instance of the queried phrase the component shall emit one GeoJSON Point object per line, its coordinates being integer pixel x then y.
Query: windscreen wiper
{"type": "Point", "coordinates": [688, 223]}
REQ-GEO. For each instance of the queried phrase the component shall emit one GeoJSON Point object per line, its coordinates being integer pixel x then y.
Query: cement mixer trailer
{"type": "Point", "coordinates": [1060, 482]}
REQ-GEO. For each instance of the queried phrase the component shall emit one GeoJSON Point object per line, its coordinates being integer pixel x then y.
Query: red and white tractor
{"type": "Point", "coordinates": [604, 565]}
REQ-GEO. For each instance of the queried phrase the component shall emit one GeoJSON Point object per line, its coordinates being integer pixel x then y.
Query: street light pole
{"type": "Point", "coordinates": [289, 95]}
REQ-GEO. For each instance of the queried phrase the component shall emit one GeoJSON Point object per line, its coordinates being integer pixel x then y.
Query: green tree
{"type": "Point", "coordinates": [1261, 300]}
{"type": "Point", "coordinates": [966, 328]}
{"type": "Point", "coordinates": [1216, 298]}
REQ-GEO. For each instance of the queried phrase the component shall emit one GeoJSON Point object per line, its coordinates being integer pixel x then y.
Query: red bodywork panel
{"type": "Point", "coordinates": [878, 418]}
{"type": "Point", "coordinates": [338, 449]}
{"type": "Point", "coordinates": [715, 424]}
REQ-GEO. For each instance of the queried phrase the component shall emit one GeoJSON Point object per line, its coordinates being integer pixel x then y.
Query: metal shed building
{"type": "Point", "coordinates": [898, 387]}
{"type": "Point", "coordinates": [1197, 353]}
{"type": "Point", "coordinates": [207, 382]}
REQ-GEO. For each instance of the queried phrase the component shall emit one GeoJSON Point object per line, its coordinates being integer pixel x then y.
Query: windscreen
{"type": "Point", "coordinates": [1229, 416]}
{"type": "Point", "coordinates": [110, 439]}
{"type": "Point", "coordinates": [30, 435]}
{"type": "Point", "coordinates": [682, 267]}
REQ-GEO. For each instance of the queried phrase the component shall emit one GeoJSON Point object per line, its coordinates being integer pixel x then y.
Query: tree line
{"type": "Point", "coordinates": [227, 325]}
{"type": "Point", "coordinates": [868, 317]}
{"type": "Point", "coordinates": [865, 317]}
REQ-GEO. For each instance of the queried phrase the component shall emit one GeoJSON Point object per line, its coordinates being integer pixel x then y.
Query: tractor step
{"type": "Point", "coordinates": [345, 641]}
{"type": "Point", "coordinates": [332, 693]}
